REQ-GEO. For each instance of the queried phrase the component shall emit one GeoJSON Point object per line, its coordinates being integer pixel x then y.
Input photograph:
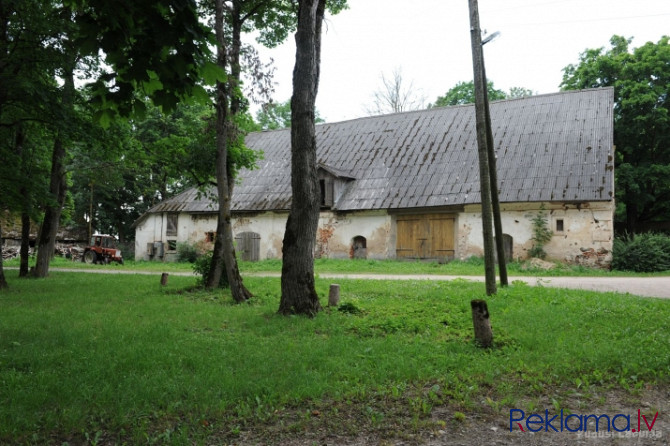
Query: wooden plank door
{"type": "Point", "coordinates": [411, 237]}
{"type": "Point", "coordinates": [441, 237]}
{"type": "Point", "coordinates": [425, 236]}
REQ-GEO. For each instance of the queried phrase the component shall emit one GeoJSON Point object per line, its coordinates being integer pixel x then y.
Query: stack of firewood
{"type": "Point", "coordinates": [9, 253]}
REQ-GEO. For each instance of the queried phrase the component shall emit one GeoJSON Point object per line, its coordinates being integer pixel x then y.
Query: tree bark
{"type": "Point", "coordinates": [298, 294]}
{"type": "Point", "coordinates": [57, 187]}
{"type": "Point", "coordinates": [481, 323]}
{"type": "Point", "coordinates": [25, 215]}
{"type": "Point", "coordinates": [24, 251]}
{"type": "Point", "coordinates": [3, 281]}
{"type": "Point", "coordinates": [47, 236]}
{"type": "Point", "coordinates": [224, 248]}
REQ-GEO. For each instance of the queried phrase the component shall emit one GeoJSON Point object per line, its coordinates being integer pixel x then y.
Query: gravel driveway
{"type": "Point", "coordinates": [640, 286]}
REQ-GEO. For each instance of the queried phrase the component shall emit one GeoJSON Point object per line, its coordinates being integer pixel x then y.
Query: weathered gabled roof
{"type": "Point", "coordinates": [553, 147]}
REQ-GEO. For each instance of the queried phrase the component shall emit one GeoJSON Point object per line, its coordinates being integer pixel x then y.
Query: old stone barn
{"type": "Point", "coordinates": [406, 185]}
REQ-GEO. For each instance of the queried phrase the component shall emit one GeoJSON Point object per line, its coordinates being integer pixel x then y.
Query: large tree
{"type": "Point", "coordinates": [298, 294]}
{"type": "Point", "coordinates": [273, 116]}
{"type": "Point", "coordinates": [140, 67]}
{"type": "Point", "coordinates": [464, 93]}
{"type": "Point", "coordinates": [273, 21]}
{"type": "Point", "coordinates": [641, 81]}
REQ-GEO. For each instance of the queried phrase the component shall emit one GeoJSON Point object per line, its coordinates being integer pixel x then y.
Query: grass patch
{"type": "Point", "coordinates": [118, 359]}
{"type": "Point", "coordinates": [471, 267]}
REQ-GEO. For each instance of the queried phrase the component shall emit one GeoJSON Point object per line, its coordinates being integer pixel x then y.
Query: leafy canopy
{"type": "Point", "coordinates": [641, 81]}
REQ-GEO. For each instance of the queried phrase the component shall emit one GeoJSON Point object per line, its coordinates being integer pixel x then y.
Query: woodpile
{"type": "Point", "coordinates": [10, 253]}
{"type": "Point", "coordinates": [68, 251]}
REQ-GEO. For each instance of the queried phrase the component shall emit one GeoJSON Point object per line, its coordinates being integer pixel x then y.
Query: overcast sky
{"type": "Point", "coordinates": [429, 40]}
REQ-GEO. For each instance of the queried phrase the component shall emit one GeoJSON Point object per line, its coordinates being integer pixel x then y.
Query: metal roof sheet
{"type": "Point", "coordinates": [554, 147]}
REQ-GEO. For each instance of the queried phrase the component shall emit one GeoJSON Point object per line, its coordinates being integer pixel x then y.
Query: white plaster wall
{"type": "Point", "coordinates": [334, 236]}
{"type": "Point", "coordinates": [270, 226]}
{"type": "Point", "coordinates": [336, 233]}
{"type": "Point", "coordinates": [148, 231]}
{"type": "Point", "coordinates": [589, 225]}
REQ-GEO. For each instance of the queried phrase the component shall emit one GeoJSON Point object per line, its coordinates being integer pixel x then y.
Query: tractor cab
{"type": "Point", "coordinates": [102, 249]}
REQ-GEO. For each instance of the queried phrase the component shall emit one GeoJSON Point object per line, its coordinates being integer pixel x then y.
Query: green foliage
{"type": "Point", "coordinates": [464, 93]}
{"type": "Point", "coordinates": [187, 252]}
{"type": "Point", "coordinates": [646, 252]}
{"type": "Point", "coordinates": [202, 266]}
{"type": "Point", "coordinates": [541, 234]}
{"type": "Point", "coordinates": [519, 92]}
{"type": "Point", "coordinates": [275, 21]}
{"type": "Point", "coordinates": [641, 121]}
{"type": "Point", "coordinates": [166, 70]}
{"type": "Point", "coordinates": [274, 116]}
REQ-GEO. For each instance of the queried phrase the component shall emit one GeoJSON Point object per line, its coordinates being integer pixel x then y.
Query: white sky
{"type": "Point", "coordinates": [429, 40]}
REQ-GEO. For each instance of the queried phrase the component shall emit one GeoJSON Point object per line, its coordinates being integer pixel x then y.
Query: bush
{"type": "Point", "coordinates": [541, 235]}
{"type": "Point", "coordinates": [201, 267]}
{"type": "Point", "coordinates": [643, 253]}
{"type": "Point", "coordinates": [187, 252]}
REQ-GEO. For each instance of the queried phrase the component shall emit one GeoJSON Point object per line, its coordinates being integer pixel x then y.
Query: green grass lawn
{"type": "Point", "coordinates": [88, 358]}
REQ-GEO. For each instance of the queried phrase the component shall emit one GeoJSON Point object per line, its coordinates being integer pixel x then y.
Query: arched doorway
{"type": "Point", "coordinates": [359, 247]}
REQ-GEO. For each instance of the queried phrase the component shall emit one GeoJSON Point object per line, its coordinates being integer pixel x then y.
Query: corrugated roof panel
{"type": "Point", "coordinates": [429, 157]}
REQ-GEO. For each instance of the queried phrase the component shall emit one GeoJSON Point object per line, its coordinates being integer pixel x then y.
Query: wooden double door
{"type": "Point", "coordinates": [425, 236]}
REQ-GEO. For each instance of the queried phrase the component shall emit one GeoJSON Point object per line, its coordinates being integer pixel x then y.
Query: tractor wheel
{"type": "Point", "coordinates": [90, 257]}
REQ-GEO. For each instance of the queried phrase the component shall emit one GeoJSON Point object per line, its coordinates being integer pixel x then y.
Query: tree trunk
{"type": "Point", "coordinates": [235, 68]}
{"type": "Point", "coordinates": [3, 281]}
{"type": "Point", "coordinates": [298, 294]}
{"type": "Point", "coordinates": [224, 248]}
{"type": "Point", "coordinates": [47, 236]}
{"type": "Point", "coordinates": [25, 244]}
{"type": "Point", "coordinates": [57, 188]}
{"type": "Point", "coordinates": [25, 215]}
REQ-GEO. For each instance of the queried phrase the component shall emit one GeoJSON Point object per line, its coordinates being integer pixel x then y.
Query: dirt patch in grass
{"type": "Point", "coordinates": [391, 422]}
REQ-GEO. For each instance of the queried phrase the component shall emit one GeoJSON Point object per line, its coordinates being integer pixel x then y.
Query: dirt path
{"type": "Point", "coordinates": [639, 286]}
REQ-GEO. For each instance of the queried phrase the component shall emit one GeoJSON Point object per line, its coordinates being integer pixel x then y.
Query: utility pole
{"type": "Point", "coordinates": [482, 146]}
{"type": "Point", "coordinates": [493, 176]}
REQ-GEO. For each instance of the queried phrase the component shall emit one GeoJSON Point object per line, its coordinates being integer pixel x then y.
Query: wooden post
{"type": "Point", "coordinates": [481, 323]}
{"type": "Point", "coordinates": [164, 279]}
{"type": "Point", "coordinates": [482, 149]}
{"type": "Point", "coordinates": [334, 295]}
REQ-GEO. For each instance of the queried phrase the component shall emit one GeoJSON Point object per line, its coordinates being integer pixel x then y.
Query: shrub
{"type": "Point", "coordinates": [187, 252]}
{"type": "Point", "coordinates": [647, 252]}
{"type": "Point", "coordinates": [201, 267]}
{"type": "Point", "coordinates": [541, 234]}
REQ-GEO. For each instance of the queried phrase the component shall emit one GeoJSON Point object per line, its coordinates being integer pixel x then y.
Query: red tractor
{"type": "Point", "coordinates": [102, 250]}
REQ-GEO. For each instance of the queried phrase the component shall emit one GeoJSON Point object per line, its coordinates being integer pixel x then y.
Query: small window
{"type": "Point", "coordinates": [210, 237]}
{"type": "Point", "coordinates": [171, 229]}
{"type": "Point", "coordinates": [559, 225]}
{"type": "Point", "coordinates": [172, 245]}
{"type": "Point", "coordinates": [326, 190]}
